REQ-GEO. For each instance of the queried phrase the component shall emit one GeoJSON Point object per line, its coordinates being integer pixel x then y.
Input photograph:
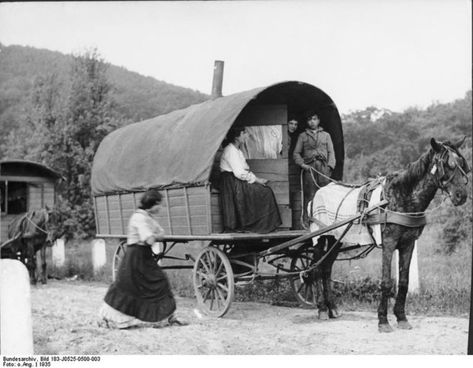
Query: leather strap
{"type": "Point", "coordinates": [395, 218]}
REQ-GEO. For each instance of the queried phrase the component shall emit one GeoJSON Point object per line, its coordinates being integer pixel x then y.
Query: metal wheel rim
{"type": "Point", "coordinates": [213, 281]}
{"type": "Point", "coordinates": [305, 292]}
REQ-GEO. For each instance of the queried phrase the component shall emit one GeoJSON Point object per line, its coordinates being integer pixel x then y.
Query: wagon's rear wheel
{"type": "Point", "coordinates": [214, 285]}
{"type": "Point", "coordinates": [305, 287]}
{"type": "Point", "coordinates": [117, 258]}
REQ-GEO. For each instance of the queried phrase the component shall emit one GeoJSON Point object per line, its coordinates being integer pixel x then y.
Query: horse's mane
{"type": "Point", "coordinates": [415, 171]}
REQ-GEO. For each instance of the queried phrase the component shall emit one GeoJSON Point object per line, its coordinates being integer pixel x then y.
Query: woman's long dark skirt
{"type": "Point", "coordinates": [248, 207]}
{"type": "Point", "coordinates": [141, 288]}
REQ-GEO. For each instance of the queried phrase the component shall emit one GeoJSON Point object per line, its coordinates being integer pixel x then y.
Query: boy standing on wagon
{"type": "Point", "coordinates": [314, 150]}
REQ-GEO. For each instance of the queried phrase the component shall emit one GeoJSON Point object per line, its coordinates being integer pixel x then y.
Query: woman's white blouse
{"type": "Point", "coordinates": [141, 226]}
{"type": "Point", "coordinates": [234, 161]}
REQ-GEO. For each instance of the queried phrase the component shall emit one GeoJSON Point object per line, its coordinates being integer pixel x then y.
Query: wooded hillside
{"type": "Point", "coordinates": [134, 96]}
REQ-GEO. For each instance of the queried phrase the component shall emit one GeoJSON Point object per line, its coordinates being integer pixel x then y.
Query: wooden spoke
{"type": "Point", "coordinates": [222, 287]}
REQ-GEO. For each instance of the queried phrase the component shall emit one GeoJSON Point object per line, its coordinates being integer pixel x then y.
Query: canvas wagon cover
{"type": "Point", "coordinates": [179, 148]}
{"type": "Point", "coordinates": [176, 148]}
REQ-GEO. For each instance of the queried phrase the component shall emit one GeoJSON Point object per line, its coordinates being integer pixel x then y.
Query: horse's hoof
{"type": "Point", "coordinates": [404, 325]}
{"type": "Point", "coordinates": [323, 315]}
{"type": "Point", "coordinates": [385, 327]}
{"type": "Point", "coordinates": [334, 313]}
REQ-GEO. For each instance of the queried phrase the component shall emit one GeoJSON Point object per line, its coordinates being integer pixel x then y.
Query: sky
{"type": "Point", "coordinates": [384, 53]}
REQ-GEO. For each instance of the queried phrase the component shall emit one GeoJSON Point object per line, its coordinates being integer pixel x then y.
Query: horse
{"type": "Point", "coordinates": [409, 193]}
{"type": "Point", "coordinates": [29, 236]}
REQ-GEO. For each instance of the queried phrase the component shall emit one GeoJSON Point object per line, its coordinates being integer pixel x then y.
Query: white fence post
{"type": "Point", "coordinates": [15, 305]}
{"type": "Point", "coordinates": [58, 253]}
{"type": "Point", "coordinates": [413, 271]}
{"type": "Point", "coordinates": [99, 257]}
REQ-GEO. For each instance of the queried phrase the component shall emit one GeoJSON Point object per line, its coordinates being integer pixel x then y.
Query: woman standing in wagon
{"type": "Point", "coordinates": [247, 203]}
{"type": "Point", "coordinates": [141, 295]}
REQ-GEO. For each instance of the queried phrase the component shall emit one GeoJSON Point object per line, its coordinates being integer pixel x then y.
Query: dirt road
{"type": "Point", "coordinates": [64, 322]}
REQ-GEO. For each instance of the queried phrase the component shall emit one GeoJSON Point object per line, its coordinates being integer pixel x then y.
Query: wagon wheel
{"type": "Point", "coordinates": [214, 286]}
{"type": "Point", "coordinates": [117, 258]}
{"type": "Point", "coordinates": [305, 289]}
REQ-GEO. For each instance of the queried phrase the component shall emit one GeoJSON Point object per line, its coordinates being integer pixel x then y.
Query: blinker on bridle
{"type": "Point", "coordinates": [438, 167]}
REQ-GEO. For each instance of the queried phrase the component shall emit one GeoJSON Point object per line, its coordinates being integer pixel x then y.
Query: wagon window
{"type": "Point", "coordinates": [264, 141]}
{"type": "Point", "coordinates": [14, 197]}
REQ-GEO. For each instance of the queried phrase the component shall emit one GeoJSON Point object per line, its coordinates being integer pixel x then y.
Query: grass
{"type": "Point", "coordinates": [444, 279]}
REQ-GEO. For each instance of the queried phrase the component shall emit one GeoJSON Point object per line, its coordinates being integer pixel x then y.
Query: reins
{"type": "Point", "coordinates": [36, 226]}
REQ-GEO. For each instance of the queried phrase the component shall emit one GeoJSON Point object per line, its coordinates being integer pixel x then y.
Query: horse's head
{"type": "Point", "coordinates": [53, 224]}
{"type": "Point", "coordinates": [450, 170]}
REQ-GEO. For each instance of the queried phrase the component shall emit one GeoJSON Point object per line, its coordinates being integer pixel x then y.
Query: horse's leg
{"type": "Point", "coordinates": [386, 288]}
{"type": "Point", "coordinates": [30, 260]}
{"type": "Point", "coordinates": [405, 255]}
{"type": "Point", "coordinates": [327, 278]}
{"type": "Point", "coordinates": [41, 264]}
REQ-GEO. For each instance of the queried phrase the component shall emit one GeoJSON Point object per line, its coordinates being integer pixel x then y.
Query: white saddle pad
{"type": "Point", "coordinates": [335, 203]}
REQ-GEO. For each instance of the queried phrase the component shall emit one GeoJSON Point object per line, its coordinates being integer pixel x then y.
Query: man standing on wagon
{"type": "Point", "coordinates": [315, 155]}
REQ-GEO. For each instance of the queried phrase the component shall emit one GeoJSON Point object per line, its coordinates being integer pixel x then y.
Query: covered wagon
{"type": "Point", "coordinates": [24, 186]}
{"type": "Point", "coordinates": [179, 154]}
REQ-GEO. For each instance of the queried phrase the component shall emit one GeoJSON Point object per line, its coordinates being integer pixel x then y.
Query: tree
{"type": "Point", "coordinates": [62, 128]}
{"type": "Point", "coordinates": [88, 117]}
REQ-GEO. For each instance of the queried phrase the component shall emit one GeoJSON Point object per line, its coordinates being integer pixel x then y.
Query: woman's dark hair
{"type": "Point", "coordinates": [233, 134]}
{"type": "Point", "coordinates": [150, 198]}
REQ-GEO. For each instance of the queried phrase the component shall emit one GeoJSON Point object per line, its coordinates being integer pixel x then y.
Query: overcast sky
{"type": "Point", "coordinates": [387, 53]}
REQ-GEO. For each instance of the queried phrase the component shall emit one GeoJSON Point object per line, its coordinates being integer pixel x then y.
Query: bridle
{"type": "Point", "coordinates": [438, 169]}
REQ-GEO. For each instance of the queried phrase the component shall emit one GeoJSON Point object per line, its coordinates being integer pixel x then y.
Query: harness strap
{"type": "Point", "coordinates": [395, 218]}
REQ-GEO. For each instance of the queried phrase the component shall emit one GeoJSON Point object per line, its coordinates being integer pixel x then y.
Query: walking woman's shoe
{"type": "Point", "coordinates": [173, 321]}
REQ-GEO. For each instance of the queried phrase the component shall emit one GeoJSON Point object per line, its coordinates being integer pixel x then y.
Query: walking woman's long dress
{"type": "Point", "coordinates": [141, 293]}
{"type": "Point", "coordinates": [246, 205]}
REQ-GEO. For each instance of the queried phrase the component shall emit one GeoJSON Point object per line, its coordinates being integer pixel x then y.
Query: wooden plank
{"type": "Point", "coordinates": [108, 214]}
{"type": "Point", "coordinates": [271, 169]}
{"type": "Point", "coordinates": [183, 211]}
{"type": "Point", "coordinates": [188, 215]}
{"type": "Point", "coordinates": [209, 215]}
{"type": "Point", "coordinates": [191, 200]}
{"type": "Point", "coordinates": [281, 192]}
{"type": "Point", "coordinates": [286, 216]}
{"type": "Point", "coordinates": [182, 221]}
{"type": "Point", "coordinates": [97, 227]}
{"type": "Point", "coordinates": [121, 213]}
{"type": "Point", "coordinates": [168, 212]}
{"type": "Point", "coordinates": [25, 179]}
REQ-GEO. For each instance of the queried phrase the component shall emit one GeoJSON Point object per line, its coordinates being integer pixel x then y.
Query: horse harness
{"type": "Point", "coordinates": [386, 216]}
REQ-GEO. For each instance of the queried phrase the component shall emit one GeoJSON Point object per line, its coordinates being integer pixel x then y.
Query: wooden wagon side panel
{"type": "Point", "coordinates": [185, 211]}
{"type": "Point", "coordinates": [216, 212]}
{"type": "Point", "coordinates": [40, 195]}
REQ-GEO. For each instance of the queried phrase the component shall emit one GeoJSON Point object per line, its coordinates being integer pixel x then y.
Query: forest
{"type": "Point", "coordinates": [56, 108]}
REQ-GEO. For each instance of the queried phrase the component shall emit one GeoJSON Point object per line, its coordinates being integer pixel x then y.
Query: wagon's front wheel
{"type": "Point", "coordinates": [304, 287]}
{"type": "Point", "coordinates": [117, 258]}
{"type": "Point", "coordinates": [214, 285]}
